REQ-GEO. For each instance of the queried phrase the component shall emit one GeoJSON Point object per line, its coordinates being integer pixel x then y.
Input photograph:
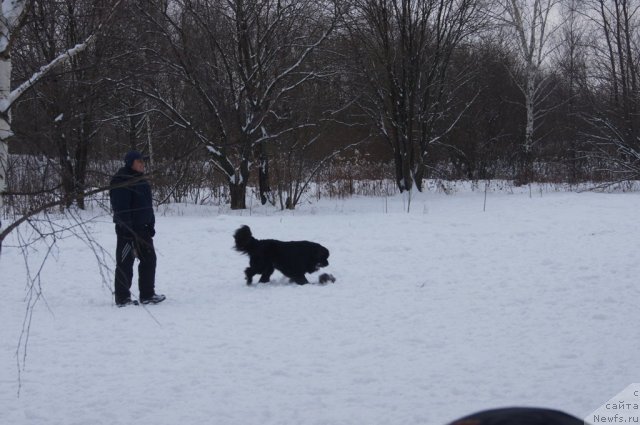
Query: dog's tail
{"type": "Point", "coordinates": [243, 238]}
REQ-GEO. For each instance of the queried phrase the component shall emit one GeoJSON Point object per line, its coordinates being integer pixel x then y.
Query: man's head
{"type": "Point", "coordinates": [135, 161]}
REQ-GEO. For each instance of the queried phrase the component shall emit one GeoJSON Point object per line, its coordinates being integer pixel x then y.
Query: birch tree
{"type": "Point", "coordinates": [11, 18]}
{"type": "Point", "coordinates": [531, 24]}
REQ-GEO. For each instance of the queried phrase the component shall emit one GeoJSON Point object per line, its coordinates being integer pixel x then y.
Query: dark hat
{"type": "Point", "coordinates": [132, 156]}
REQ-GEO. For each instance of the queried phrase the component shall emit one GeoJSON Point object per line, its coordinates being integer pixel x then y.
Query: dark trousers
{"type": "Point", "coordinates": [142, 244]}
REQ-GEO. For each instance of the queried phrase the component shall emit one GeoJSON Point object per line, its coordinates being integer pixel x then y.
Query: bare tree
{"type": "Point", "coordinates": [615, 126]}
{"type": "Point", "coordinates": [13, 17]}
{"type": "Point", "coordinates": [65, 103]}
{"type": "Point", "coordinates": [234, 63]}
{"type": "Point", "coordinates": [532, 24]}
{"type": "Point", "coordinates": [570, 61]}
{"type": "Point", "coordinates": [403, 51]}
{"type": "Point", "coordinates": [482, 142]}
{"type": "Point", "coordinates": [132, 113]}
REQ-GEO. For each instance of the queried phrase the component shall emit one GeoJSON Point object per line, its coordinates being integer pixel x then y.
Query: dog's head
{"type": "Point", "coordinates": [322, 257]}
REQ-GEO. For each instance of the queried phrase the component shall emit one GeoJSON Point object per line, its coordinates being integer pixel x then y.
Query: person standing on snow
{"type": "Point", "coordinates": [132, 207]}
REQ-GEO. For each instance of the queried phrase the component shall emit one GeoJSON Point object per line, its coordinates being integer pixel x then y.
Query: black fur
{"type": "Point", "coordinates": [292, 259]}
{"type": "Point", "coordinates": [519, 416]}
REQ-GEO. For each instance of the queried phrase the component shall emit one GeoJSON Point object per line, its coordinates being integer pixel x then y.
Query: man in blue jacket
{"type": "Point", "coordinates": [132, 206]}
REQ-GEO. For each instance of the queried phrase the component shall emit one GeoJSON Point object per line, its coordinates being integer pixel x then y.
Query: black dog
{"type": "Point", "coordinates": [519, 416]}
{"type": "Point", "coordinates": [292, 259]}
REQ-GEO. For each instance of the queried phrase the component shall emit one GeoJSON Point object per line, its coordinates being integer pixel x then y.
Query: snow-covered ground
{"type": "Point", "coordinates": [436, 313]}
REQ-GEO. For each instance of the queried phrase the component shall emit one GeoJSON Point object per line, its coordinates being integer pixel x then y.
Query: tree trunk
{"type": "Point", "coordinates": [238, 186]}
{"type": "Point", "coordinates": [525, 173]}
{"type": "Point", "coordinates": [404, 179]}
{"type": "Point", "coordinates": [407, 165]}
{"type": "Point", "coordinates": [82, 154]}
{"type": "Point", "coordinates": [66, 166]}
{"type": "Point", "coordinates": [238, 193]}
{"type": "Point", "coordinates": [263, 174]}
{"type": "Point", "coordinates": [403, 160]}
{"type": "Point", "coordinates": [5, 126]}
{"type": "Point", "coordinates": [419, 174]}
{"type": "Point", "coordinates": [4, 156]}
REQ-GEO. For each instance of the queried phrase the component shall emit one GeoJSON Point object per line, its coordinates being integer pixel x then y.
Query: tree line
{"type": "Point", "coordinates": [270, 94]}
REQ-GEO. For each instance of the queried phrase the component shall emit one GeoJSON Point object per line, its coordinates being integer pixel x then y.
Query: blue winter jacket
{"type": "Point", "coordinates": [131, 202]}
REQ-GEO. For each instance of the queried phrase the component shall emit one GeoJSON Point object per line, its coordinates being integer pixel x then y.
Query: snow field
{"type": "Point", "coordinates": [436, 313]}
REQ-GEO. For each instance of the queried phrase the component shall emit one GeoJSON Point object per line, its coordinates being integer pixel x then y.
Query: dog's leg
{"type": "Point", "coordinates": [300, 280]}
{"type": "Point", "coordinates": [248, 272]}
{"type": "Point", "coordinates": [266, 274]}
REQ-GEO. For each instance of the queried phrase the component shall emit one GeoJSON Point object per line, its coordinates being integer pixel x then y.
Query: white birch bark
{"type": "Point", "coordinates": [11, 14]}
{"type": "Point", "coordinates": [530, 20]}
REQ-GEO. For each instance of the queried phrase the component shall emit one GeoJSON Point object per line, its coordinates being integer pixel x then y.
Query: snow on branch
{"type": "Point", "coordinates": [5, 104]}
{"type": "Point", "coordinates": [301, 59]}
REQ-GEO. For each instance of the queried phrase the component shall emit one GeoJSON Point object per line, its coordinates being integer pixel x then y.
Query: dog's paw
{"type": "Point", "coordinates": [326, 277]}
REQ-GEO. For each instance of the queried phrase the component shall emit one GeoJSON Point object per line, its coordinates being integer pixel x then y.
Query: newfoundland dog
{"type": "Point", "coordinates": [292, 259]}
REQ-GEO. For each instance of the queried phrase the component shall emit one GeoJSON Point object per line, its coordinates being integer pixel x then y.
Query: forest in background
{"type": "Point", "coordinates": [263, 98]}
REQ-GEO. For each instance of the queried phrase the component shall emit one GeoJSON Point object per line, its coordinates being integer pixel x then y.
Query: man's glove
{"type": "Point", "coordinates": [151, 228]}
